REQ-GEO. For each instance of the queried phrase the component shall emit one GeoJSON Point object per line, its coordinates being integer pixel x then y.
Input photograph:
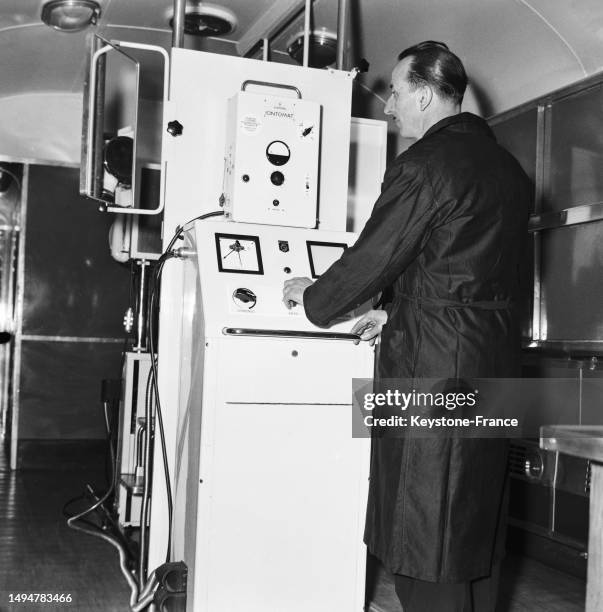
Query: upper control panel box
{"type": "Point", "coordinates": [271, 160]}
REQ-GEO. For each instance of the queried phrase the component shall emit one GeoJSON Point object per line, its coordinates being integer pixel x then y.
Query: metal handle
{"type": "Point", "coordinates": [287, 333]}
{"type": "Point", "coordinates": [93, 130]}
{"type": "Point", "coordinates": [268, 84]}
{"type": "Point", "coordinates": [166, 96]}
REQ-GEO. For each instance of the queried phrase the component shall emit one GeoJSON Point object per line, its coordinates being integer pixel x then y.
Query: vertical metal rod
{"type": "Point", "coordinates": [142, 315]}
{"type": "Point", "coordinates": [19, 305]}
{"type": "Point", "coordinates": [541, 144]}
{"type": "Point", "coordinates": [342, 20]}
{"type": "Point", "coordinates": [265, 49]}
{"type": "Point", "coordinates": [307, 13]}
{"type": "Point", "coordinates": [178, 24]}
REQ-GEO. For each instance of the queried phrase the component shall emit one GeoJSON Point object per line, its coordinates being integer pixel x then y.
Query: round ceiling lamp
{"type": "Point", "coordinates": [204, 19]}
{"type": "Point", "coordinates": [70, 15]}
{"type": "Point", "coordinates": [323, 48]}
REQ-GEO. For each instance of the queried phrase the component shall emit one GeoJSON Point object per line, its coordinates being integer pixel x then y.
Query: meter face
{"type": "Point", "coordinates": [239, 253]}
{"type": "Point", "coordinates": [322, 255]}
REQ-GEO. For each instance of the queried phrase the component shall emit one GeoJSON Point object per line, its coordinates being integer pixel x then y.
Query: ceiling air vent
{"type": "Point", "coordinates": [203, 19]}
{"type": "Point", "coordinates": [323, 48]}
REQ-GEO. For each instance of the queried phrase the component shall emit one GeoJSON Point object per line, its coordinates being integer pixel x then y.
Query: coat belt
{"type": "Point", "coordinates": [481, 305]}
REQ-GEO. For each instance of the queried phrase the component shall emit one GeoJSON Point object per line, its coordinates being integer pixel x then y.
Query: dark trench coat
{"type": "Point", "coordinates": [446, 237]}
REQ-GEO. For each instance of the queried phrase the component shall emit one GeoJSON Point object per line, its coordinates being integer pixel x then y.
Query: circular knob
{"type": "Point", "coordinates": [175, 128]}
{"type": "Point", "coordinates": [533, 466]}
{"type": "Point", "coordinates": [277, 178]}
{"type": "Point", "coordinates": [244, 298]}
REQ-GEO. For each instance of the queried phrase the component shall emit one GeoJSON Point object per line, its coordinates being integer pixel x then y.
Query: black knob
{"type": "Point", "coordinates": [244, 298]}
{"type": "Point", "coordinates": [363, 65]}
{"type": "Point", "coordinates": [275, 202]}
{"type": "Point", "coordinates": [175, 128]}
{"type": "Point", "coordinates": [277, 178]}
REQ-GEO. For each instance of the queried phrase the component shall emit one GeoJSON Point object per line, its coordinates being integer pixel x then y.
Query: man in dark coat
{"type": "Point", "coordinates": [445, 235]}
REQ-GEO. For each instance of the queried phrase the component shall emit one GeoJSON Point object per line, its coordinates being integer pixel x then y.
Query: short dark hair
{"type": "Point", "coordinates": [433, 63]}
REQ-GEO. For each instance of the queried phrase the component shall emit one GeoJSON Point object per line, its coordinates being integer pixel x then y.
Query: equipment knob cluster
{"type": "Point", "coordinates": [278, 154]}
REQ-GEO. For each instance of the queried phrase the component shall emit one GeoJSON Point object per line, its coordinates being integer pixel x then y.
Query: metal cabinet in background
{"type": "Point", "coordinates": [558, 139]}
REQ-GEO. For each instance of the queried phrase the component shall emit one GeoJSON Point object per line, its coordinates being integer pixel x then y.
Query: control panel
{"type": "Point", "coordinates": [271, 160]}
{"type": "Point", "coordinates": [242, 268]}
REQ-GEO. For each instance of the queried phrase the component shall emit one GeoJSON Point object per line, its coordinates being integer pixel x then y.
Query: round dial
{"type": "Point", "coordinates": [278, 153]}
{"type": "Point", "coordinates": [244, 298]}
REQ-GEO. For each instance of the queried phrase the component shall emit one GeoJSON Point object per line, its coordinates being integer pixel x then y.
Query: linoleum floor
{"type": "Point", "coordinates": [40, 554]}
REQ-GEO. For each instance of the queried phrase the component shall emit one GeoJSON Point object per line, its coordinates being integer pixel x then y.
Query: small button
{"type": "Point", "coordinates": [287, 270]}
{"type": "Point", "coordinates": [245, 178]}
{"type": "Point", "coordinates": [275, 202]}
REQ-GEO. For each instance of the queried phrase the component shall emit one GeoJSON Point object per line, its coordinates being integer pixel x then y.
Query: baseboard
{"type": "Point", "coordinates": [548, 551]}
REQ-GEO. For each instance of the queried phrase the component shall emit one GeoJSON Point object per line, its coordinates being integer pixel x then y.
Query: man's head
{"type": "Point", "coordinates": [428, 84]}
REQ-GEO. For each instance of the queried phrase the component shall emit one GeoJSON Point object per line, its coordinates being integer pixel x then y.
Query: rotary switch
{"type": "Point", "coordinates": [533, 465]}
{"type": "Point", "coordinates": [244, 298]}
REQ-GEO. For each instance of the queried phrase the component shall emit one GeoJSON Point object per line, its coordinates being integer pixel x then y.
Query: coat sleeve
{"type": "Point", "coordinates": [394, 235]}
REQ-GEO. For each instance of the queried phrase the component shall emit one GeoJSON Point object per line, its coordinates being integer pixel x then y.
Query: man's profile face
{"type": "Point", "coordinates": [403, 104]}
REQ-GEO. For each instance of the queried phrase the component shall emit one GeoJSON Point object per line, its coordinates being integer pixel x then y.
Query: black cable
{"type": "Point", "coordinates": [153, 310]}
{"type": "Point", "coordinates": [67, 514]}
{"type": "Point", "coordinates": [148, 449]}
{"type": "Point", "coordinates": [104, 498]}
{"type": "Point", "coordinates": [96, 530]}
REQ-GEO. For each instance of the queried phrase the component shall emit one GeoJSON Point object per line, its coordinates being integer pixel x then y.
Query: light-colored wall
{"type": "Point", "coordinates": [43, 127]}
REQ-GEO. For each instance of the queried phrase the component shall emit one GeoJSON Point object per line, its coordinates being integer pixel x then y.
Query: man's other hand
{"type": "Point", "coordinates": [370, 325]}
{"type": "Point", "coordinates": [293, 290]}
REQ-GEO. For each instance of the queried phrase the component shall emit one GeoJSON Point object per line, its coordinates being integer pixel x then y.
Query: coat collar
{"type": "Point", "coordinates": [462, 122]}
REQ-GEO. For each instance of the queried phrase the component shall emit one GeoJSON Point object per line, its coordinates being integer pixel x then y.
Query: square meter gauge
{"type": "Point", "coordinates": [239, 254]}
{"type": "Point", "coordinates": [271, 160]}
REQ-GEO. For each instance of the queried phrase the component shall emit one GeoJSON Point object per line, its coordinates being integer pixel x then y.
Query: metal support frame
{"type": "Point", "coordinates": [20, 296]}
{"type": "Point", "coordinates": [342, 21]}
{"type": "Point", "coordinates": [178, 24]}
{"type": "Point", "coordinates": [307, 17]}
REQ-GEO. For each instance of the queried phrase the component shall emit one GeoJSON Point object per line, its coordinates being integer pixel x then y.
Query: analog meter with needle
{"type": "Point", "coordinates": [238, 253]}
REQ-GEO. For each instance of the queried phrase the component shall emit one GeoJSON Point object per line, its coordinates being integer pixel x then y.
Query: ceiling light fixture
{"type": "Point", "coordinates": [323, 48]}
{"type": "Point", "coordinates": [70, 15]}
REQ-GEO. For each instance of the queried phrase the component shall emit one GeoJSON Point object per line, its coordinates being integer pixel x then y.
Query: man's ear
{"type": "Point", "coordinates": [425, 96]}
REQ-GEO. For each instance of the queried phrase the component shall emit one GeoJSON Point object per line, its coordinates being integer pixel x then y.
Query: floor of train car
{"type": "Point", "coordinates": [40, 554]}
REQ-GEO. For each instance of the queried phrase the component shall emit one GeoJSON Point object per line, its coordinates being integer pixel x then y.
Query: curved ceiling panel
{"type": "Point", "coordinates": [514, 50]}
{"type": "Point", "coordinates": [510, 54]}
